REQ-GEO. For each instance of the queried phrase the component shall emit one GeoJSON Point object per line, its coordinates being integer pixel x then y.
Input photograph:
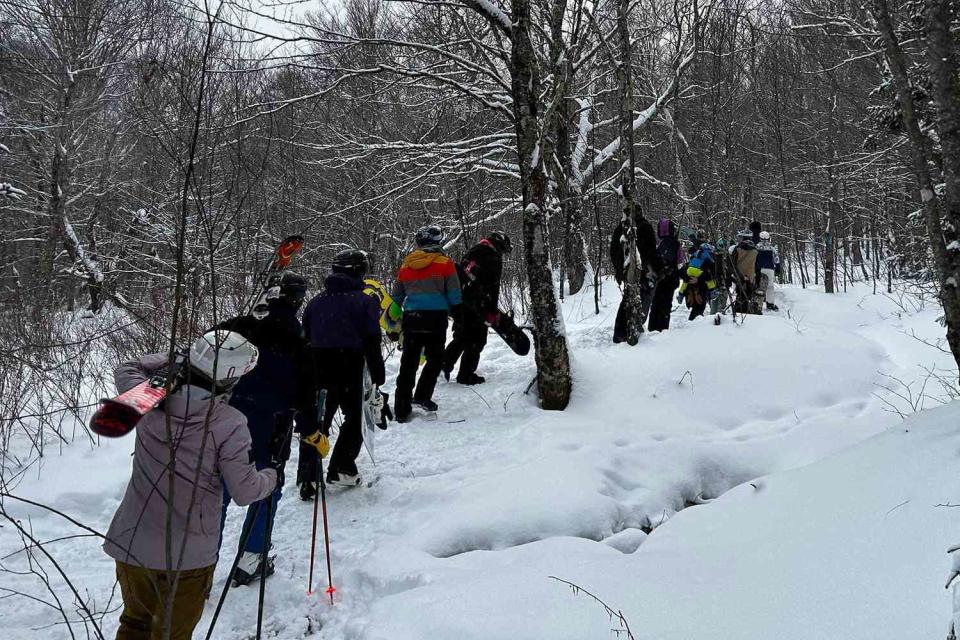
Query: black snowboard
{"type": "Point", "coordinates": [513, 335]}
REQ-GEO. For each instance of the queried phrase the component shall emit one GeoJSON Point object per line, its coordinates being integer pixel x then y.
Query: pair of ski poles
{"type": "Point", "coordinates": [245, 535]}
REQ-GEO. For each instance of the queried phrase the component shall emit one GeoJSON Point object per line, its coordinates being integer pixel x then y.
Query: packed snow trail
{"type": "Point", "coordinates": [470, 514]}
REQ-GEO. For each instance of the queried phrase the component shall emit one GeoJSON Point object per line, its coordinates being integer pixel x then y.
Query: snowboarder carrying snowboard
{"type": "Point", "coordinates": [428, 289]}
{"type": "Point", "coordinates": [208, 446]}
{"type": "Point", "coordinates": [479, 271]}
{"type": "Point", "coordinates": [699, 284]}
{"type": "Point", "coordinates": [649, 267]}
{"type": "Point", "coordinates": [671, 255]}
{"type": "Point", "coordinates": [342, 324]}
{"type": "Point", "coordinates": [278, 391]}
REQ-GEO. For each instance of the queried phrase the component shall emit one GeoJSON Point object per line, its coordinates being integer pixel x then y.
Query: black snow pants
{"type": "Point", "coordinates": [416, 344]}
{"type": "Point", "coordinates": [469, 339]}
{"type": "Point", "coordinates": [340, 373]}
{"type": "Point", "coordinates": [662, 302]}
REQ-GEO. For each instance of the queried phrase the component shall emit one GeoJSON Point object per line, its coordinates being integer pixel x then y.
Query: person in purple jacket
{"type": "Point", "coordinates": [164, 536]}
{"type": "Point", "coordinates": [342, 324]}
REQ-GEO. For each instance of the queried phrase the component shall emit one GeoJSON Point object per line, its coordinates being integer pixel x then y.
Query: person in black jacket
{"type": "Point", "coordinates": [671, 255]}
{"type": "Point", "coordinates": [279, 390]}
{"type": "Point", "coordinates": [649, 268]}
{"type": "Point", "coordinates": [480, 271]}
{"type": "Point", "coordinates": [343, 326]}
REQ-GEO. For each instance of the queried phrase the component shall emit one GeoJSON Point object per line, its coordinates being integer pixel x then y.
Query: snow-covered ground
{"type": "Point", "coordinates": [813, 505]}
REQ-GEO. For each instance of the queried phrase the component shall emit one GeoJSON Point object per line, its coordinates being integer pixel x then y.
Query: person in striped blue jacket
{"type": "Point", "coordinates": [428, 289]}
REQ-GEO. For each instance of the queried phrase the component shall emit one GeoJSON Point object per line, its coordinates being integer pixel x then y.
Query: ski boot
{"type": "Point", "coordinates": [470, 379]}
{"type": "Point", "coordinates": [427, 405]}
{"type": "Point", "coordinates": [343, 479]}
{"type": "Point", "coordinates": [308, 491]}
{"type": "Point", "coordinates": [248, 569]}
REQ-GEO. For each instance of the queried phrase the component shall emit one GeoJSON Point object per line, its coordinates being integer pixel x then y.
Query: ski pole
{"type": "Point", "coordinates": [263, 564]}
{"type": "Point", "coordinates": [313, 535]}
{"type": "Point", "coordinates": [245, 534]}
{"type": "Point", "coordinates": [326, 531]}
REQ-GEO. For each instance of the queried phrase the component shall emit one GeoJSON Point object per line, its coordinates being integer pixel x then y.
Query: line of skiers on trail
{"type": "Point", "coordinates": [224, 433]}
{"type": "Point", "coordinates": [702, 275]}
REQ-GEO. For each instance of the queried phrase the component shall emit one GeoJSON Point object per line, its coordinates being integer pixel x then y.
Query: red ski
{"type": "Point", "coordinates": [118, 416]}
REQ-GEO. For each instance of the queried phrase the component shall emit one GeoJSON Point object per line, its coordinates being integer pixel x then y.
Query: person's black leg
{"type": "Point", "coordinates": [433, 348]}
{"type": "Point", "coordinates": [409, 363]}
{"type": "Point", "coordinates": [350, 439]}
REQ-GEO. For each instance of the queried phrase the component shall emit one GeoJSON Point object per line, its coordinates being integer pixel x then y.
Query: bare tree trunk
{"type": "Point", "coordinates": [553, 359]}
{"type": "Point", "coordinates": [943, 59]}
{"type": "Point", "coordinates": [632, 301]}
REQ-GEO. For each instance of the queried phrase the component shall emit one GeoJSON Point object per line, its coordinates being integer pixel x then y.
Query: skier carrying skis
{"type": "Point", "coordinates": [743, 274]}
{"type": "Point", "coordinates": [207, 446]}
{"type": "Point", "coordinates": [768, 262]}
{"type": "Point", "coordinates": [342, 323]}
{"type": "Point", "coordinates": [278, 391]}
{"type": "Point", "coordinates": [671, 255]}
{"type": "Point", "coordinates": [699, 284]}
{"type": "Point", "coordinates": [428, 289]}
{"type": "Point", "coordinates": [648, 269]}
{"type": "Point", "coordinates": [479, 271]}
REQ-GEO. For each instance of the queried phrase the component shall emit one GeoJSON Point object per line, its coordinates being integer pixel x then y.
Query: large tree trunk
{"type": "Point", "coordinates": [553, 360]}
{"type": "Point", "coordinates": [632, 300]}
{"type": "Point", "coordinates": [941, 58]}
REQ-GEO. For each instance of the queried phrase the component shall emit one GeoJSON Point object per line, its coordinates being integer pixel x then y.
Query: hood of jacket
{"type": "Point", "coordinates": [422, 258]}
{"type": "Point", "coordinates": [341, 282]}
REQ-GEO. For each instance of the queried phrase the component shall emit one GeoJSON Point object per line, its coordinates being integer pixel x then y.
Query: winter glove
{"type": "Point", "coordinates": [318, 441]}
{"type": "Point", "coordinates": [375, 401]}
{"type": "Point", "coordinates": [280, 440]}
{"type": "Point", "coordinates": [281, 477]}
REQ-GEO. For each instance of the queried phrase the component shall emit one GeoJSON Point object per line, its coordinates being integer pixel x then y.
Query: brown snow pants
{"type": "Point", "coordinates": [145, 592]}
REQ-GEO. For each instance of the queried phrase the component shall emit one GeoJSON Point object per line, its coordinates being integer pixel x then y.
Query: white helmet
{"type": "Point", "coordinates": [223, 356]}
{"type": "Point", "coordinates": [764, 235]}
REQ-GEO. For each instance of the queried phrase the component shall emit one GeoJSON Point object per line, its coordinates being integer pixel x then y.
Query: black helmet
{"type": "Point", "coordinates": [351, 262]}
{"type": "Point", "coordinates": [500, 241]}
{"type": "Point", "coordinates": [293, 288]}
{"type": "Point", "coordinates": [429, 235]}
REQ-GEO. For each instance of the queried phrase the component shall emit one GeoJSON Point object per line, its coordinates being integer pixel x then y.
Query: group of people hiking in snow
{"type": "Point", "coordinates": [224, 432]}
{"type": "Point", "coordinates": [702, 275]}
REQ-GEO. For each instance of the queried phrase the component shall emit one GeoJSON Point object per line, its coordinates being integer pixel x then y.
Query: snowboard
{"type": "Point", "coordinates": [511, 334]}
{"type": "Point", "coordinates": [119, 415]}
{"type": "Point", "coordinates": [369, 420]}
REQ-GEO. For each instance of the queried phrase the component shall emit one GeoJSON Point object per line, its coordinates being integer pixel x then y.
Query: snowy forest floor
{"type": "Point", "coordinates": [814, 504]}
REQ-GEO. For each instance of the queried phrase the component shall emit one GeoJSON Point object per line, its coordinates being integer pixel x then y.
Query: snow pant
{"type": "Point", "coordinates": [662, 302]}
{"type": "Point", "coordinates": [771, 277]}
{"type": "Point", "coordinates": [698, 296]}
{"type": "Point", "coordinates": [749, 299]}
{"type": "Point", "coordinates": [145, 593]}
{"type": "Point", "coordinates": [309, 460]}
{"type": "Point", "coordinates": [416, 344]}
{"type": "Point", "coordinates": [718, 304]}
{"type": "Point", "coordinates": [620, 332]}
{"type": "Point", "coordinates": [340, 372]}
{"type": "Point", "coordinates": [469, 339]}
